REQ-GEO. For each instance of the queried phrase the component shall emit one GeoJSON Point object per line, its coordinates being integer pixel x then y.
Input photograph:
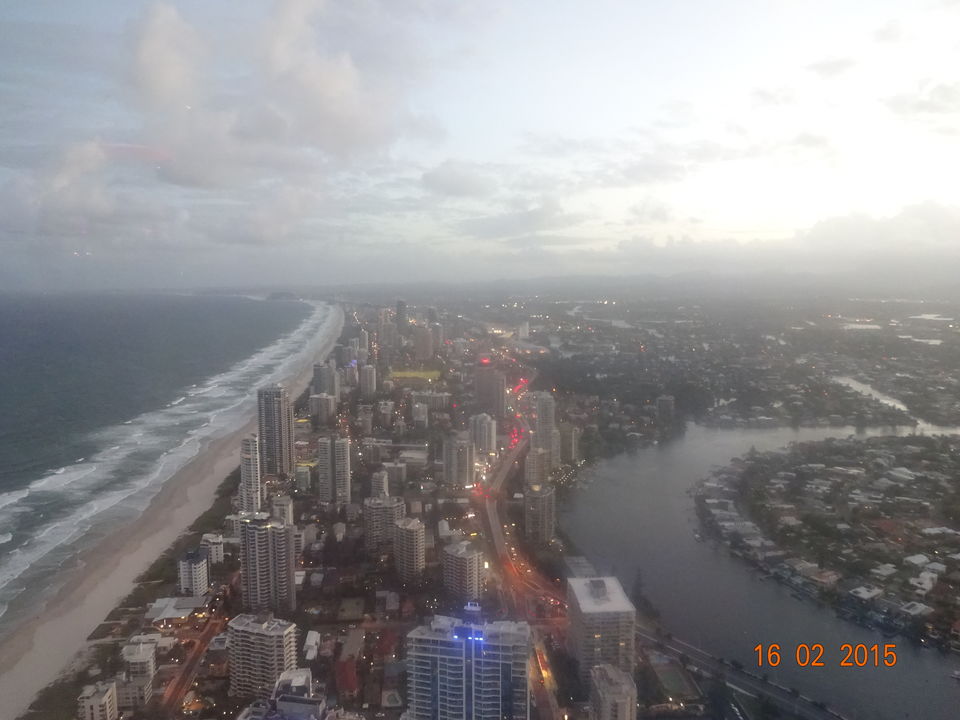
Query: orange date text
{"type": "Point", "coordinates": [817, 655]}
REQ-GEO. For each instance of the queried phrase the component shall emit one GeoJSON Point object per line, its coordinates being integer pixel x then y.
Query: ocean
{"type": "Point", "coordinates": [104, 397]}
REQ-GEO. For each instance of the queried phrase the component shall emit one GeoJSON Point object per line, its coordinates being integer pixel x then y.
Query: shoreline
{"type": "Point", "coordinates": [36, 654]}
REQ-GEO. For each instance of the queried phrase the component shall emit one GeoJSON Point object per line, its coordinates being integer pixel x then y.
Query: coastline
{"type": "Point", "coordinates": [37, 653]}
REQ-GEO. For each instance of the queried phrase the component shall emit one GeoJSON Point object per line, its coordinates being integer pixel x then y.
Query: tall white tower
{"type": "Point", "coordinates": [267, 563]}
{"type": "Point", "coordinates": [261, 649]}
{"type": "Point", "coordinates": [409, 549]}
{"type": "Point", "coordinates": [275, 421]}
{"type": "Point", "coordinates": [341, 470]}
{"type": "Point", "coordinates": [251, 495]}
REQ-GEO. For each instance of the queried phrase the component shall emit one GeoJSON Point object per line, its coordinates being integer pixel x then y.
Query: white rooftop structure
{"type": "Point", "coordinates": [866, 592]}
{"type": "Point", "coordinates": [883, 571]}
{"type": "Point", "coordinates": [600, 595]}
{"type": "Point", "coordinates": [298, 681]}
{"type": "Point", "coordinates": [916, 609]}
{"type": "Point", "coordinates": [174, 608]}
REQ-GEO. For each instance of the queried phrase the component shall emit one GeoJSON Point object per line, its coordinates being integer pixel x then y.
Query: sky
{"type": "Point", "coordinates": [237, 143]}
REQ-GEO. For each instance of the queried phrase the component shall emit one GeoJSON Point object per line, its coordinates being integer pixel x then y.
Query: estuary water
{"type": "Point", "coordinates": [636, 514]}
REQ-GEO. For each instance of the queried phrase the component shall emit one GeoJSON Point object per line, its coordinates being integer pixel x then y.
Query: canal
{"type": "Point", "coordinates": [635, 513]}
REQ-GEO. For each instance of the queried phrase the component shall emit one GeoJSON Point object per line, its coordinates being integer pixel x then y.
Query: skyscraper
{"type": "Point", "coordinates": [462, 562]}
{"type": "Point", "coordinates": [458, 459]}
{"type": "Point", "coordinates": [267, 563]}
{"type": "Point", "coordinates": [613, 694]}
{"type": "Point", "coordinates": [555, 443]}
{"type": "Point", "coordinates": [326, 379]}
{"type": "Point", "coordinates": [333, 470]}
{"type": "Point", "coordinates": [409, 549]}
{"type": "Point", "coordinates": [539, 513]}
{"type": "Point", "coordinates": [545, 409]}
{"type": "Point", "coordinates": [275, 421]}
{"type": "Point", "coordinates": [322, 408]}
{"type": "Point", "coordinates": [193, 573]}
{"type": "Point", "coordinates": [491, 385]}
{"type": "Point", "coordinates": [281, 507]}
{"type": "Point", "coordinates": [368, 382]}
{"type": "Point", "coordinates": [380, 483]}
{"type": "Point", "coordinates": [602, 624]}
{"type": "Point", "coordinates": [341, 467]}
{"type": "Point", "coordinates": [380, 515]}
{"type": "Point", "coordinates": [436, 330]}
{"type": "Point", "coordinates": [456, 670]}
{"type": "Point", "coordinates": [570, 443]}
{"type": "Point", "coordinates": [251, 494]}
{"type": "Point", "coordinates": [666, 410]}
{"type": "Point", "coordinates": [261, 648]}
{"type": "Point", "coordinates": [316, 382]}
{"type": "Point", "coordinates": [423, 348]}
{"type": "Point", "coordinates": [483, 432]}
{"type": "Point", "coordinates": [325, 469]}
{"type": "Point", "coordinates": [536, 467]}
{"type": "Point", "coordinates": [402, 321]}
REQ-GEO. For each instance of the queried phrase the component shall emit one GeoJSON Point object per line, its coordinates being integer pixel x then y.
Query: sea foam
{"type": "Point", "coordinates": [140, 454]}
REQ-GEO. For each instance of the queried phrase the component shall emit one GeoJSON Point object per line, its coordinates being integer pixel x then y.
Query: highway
{"type": "Point", "coordinates": [519, 587]}
{"type": "Point", "coordinates": [800, 705]}
{"type": "Point", "coordinates": [178, 687]}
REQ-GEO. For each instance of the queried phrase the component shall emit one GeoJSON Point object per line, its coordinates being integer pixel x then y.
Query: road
{"type": "Point", "coordinates": [520, 586]}
{"type": "Point", "coordinates": [178, 687]}
{"type": "Point", "coordinates": [800, 705]}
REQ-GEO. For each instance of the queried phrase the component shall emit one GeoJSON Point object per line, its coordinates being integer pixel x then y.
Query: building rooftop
{"type": "Point", "coordinates": [260, 623]}
{"type": "Point", "coordinates": [537, 489]}
{"type": "Point", "coordinates": [97, 690]}
{"type": "Point", "coordinates": [442, 627]}
{"type": "Point", "coordinates": [195, 555]}
{"type": "Point", "coordinates": [611, 677]}
{"type": "Point", "coordinates": [600, 595]}
{"type": "Point", "coordinates": [298, 681]}
{"type": "Point", "coordinates": [138, 652]}
{"type": "Point", "coordinates": [379, 501]}
{"type": "Point", "coordinates": [409, 523]}
{"type": "Point", "coordinates": [174, 608]}
{"type": "Point", "coordinates": [464, 548]}
{"type": "Point", "coordinates": [353, 644]}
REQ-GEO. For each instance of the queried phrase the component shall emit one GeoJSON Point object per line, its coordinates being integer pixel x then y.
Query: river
{"type": "Point", "coordinates": [636, 514]}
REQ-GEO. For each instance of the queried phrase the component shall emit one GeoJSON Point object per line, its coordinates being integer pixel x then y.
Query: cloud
{"type": "Point", "coordinates": [831, 67]}
{"type": "Point", "coordinates": [325, 87]}
{"type": "Point", "coordinates": [458, 179]}
{"type": "Point", "coordinates": [650, 211]}
{"type": "Point", "coordinates": [527, 242]}
{"type": "Point", "coordinates": [932, 100]}
{"type": "Point", "coordinates": [890, 32]}
{"type": "Point", "coordinates": [74, 203]}
{"type": "Point", "coordinates": [545, 215]}
{"type": "Point", "coordinates": [928, 231]}
{"type": "Point", "coordinates": [772, 96]}
{"type": "Point", "coordinates": [168, 51]}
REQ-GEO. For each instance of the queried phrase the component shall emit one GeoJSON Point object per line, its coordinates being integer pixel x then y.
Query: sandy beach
{"type": "Point", "coordinates": [36, 654]}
